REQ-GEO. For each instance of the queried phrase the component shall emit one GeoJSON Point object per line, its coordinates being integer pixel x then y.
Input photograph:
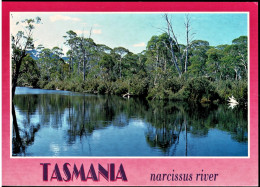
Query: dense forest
{"type": "Point", "coordinates": [166, 70]}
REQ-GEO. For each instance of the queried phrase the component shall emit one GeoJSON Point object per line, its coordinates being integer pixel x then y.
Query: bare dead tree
{"type": "Point", "coordinates": [189, 38]}
{"type": "Point", "coordinates": [177, 59]}
{"type": "Point", "coordinates": [173, 43]}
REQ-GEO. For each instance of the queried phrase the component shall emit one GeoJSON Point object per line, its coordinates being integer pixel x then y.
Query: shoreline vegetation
{"type": "Point", "coordinates": [211, 92]}
{"type": "Point", "coordinates": [166, 70]}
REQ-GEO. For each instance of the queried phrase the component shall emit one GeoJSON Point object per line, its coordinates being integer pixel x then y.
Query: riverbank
{"type": "Point", "coordinates": [201, 89]}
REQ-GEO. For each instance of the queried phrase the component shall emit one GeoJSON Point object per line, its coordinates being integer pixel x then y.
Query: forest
{"type": "Point", "coordinates": [166, 70]}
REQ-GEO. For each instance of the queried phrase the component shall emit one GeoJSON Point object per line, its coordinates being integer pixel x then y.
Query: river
{"type": "Point", "coordinates": [61, 123]}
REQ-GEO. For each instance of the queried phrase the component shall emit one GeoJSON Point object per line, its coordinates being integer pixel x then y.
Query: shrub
{"type": "Point", "coordinates": [138, 86]}
{"type": "Point", "coordinates": [182, 94]}
{"type": "Point", "coordinates": [60, 85]}
{"type": "Point", "coordinates": [239, 91]}
{"type": "Point", "coordinates": [174, 84]}
{"type": "Point", "coordinates": [70, 86]}
{"type": "Point", "coordinates": [227, 88]}
{"type": "Point", "coordinates": [42, 83]}
{"type": "Point", "coordinates": [101, 89]}
{"type": "Point", "coordinates": [158, 92]}
{"type": "Point", "coordinates": [50, 86]}
{"type": "Point", "coordinates": [91, 85]}
{"type": "Point", "coordinates": [120, 87]}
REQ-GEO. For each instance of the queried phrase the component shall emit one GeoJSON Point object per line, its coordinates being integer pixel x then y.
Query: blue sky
{"type": "Point", "coordinates": [132, 30]}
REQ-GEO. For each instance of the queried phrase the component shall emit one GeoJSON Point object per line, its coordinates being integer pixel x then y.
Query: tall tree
{"type": "Point", "coordinates": [71, 41]}
{"type": "Point", "coordinates": [240, 46]}
{"type": "Point", "coordinates": [121, 52]}
{"type": "Point", "coordinates": [21, 42]}
{"type": "Point", "coordinates": [86, 48]}
{"type": "Point", "coordinates": [198, 58]}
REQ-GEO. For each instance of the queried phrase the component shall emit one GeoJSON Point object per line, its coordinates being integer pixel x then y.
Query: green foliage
{"type": "Point", "coordinates": [213, 73]}
{"type": "Point", "coordinates": [29, 73]}
{"type": "Point", "coordinates": [199, 88]}
{"type": "Point", "coordinates": [102, 88]}
{"type": "Point", "coordinates": [50, 86]}
{"type": "Point", "coordinates": [120, 87]}
{"type": "Point", "coordinates": [21, 42]}
{"type": "Point", "coordinates": [237, 89]}
{"type": "Point", "coordinates": [138, 86]}
{"type": "Point", "coordinates": [107, 63]}
{"type": "Point", "coordinates": [173, 84]}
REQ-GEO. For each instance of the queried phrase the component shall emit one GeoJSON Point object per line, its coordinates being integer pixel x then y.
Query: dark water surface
{"type": "Point", "coordinates": [61, 123]}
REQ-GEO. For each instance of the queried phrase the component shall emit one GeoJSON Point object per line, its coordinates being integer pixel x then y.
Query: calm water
{"type": "Point", "coordinates": [61, 123]}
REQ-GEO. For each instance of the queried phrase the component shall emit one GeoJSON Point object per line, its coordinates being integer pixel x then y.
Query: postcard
{"type": "Point", "coordinates": [129, 93]}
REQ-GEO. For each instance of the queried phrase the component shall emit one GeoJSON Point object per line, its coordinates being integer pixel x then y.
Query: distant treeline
{"type": "Point", "coordinates": [212, 74]}
{"type": "Point", "coordinates": [166, 70]}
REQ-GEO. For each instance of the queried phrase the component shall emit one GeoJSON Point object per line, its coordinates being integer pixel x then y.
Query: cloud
{"type": "Point", "coordinates": [142, 44]}
{"type": "Point", "coordinates": [63, 18]}
{"type": "Point", "coordinates": [97, 31]}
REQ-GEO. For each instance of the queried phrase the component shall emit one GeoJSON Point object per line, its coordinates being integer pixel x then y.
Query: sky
{"type": "Point", "coordinates": [131, 30]}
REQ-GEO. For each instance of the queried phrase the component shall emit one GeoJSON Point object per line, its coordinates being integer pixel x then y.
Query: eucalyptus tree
{"type": "Point", "coordinates": [228, 65]}
{"type": "Point", "coordinates": [71, 41]}
{"type": "Point", "coordinates": [198, 57]}
{"type": "Point", "coordinates": [101, 50]}
{"type": "Point", "coordinates": [121, 52]}
{"type": "Point", "coordinates": [213, 63]}
{"type": "Point", "coordinates": [152, 53]}
{"type": "Point", "coordinates": [158, 55]}
{"type": "Point", "coordinates": [87, 49]}
{"type": "Point", "coordinates": [240, 46]}
{"type": "Point", "coordinates": [45, 63]}
{"type": "Point", "coordinates": [142, 58]}
{"type": "Point", "coordinates": [81, 50]}
{"type": "Point", "coordinates": [130, 67]}
{"type": "Point", "coordinates": [234, 60]}
{"type": "Point", "coordinates": [107, 67]}
{"type": "Point", "coordinates": [98, 52]}
{"type": "Point", "coordinates": [21, 42]}
{"type": "Point", "coordinates": [58, 62]}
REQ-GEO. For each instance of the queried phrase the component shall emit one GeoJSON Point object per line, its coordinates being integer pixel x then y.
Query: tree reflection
{"type": "Point", "coordinates": [168, 119]}
{"type": "Point", "coordinates": [23, 137]}
{"type": "Point", "coordinates": [80, 115]}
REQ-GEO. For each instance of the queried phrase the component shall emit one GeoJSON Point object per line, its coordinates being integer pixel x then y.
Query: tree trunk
{"type": "Point", "coordinates": [174, 60]}
{"type": "Point", "coordinates": [18, 140]}
{"type": "Point", "coordinates": [120, 68]}
{"type": "Point", "coordinates": [84, 66]}
{"type": "Point", "coordinates": [16, 73]}
{"type": "Point", "coordinates": [165, 64]}
{"type": "Point", "coordinates": [186, 145]}
{"type": "Point", "coordinates": [187, 24]}
{"type": "Point", "coordinates": [170, 32]}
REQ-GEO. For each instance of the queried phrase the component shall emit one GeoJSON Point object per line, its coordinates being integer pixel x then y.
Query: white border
{"type": "Point", "coordinates": [134, 157]}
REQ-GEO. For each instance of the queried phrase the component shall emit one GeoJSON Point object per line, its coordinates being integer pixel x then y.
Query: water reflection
{"type": "Point", "coordinates": [25, 136]}
{"type": "Point", "coordinates": [97, 123]}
